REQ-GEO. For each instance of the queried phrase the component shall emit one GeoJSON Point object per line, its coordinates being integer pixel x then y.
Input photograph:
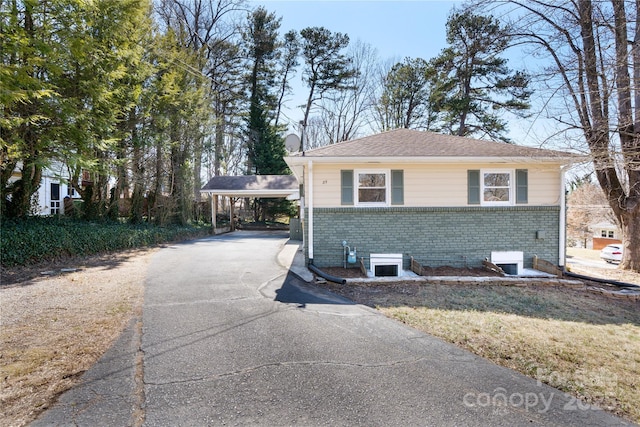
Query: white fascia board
{"type": "Point", "coordinates": [241, 193]}
{"type": "Point", "coordinates": [300, 161]}
{"type": "Point", "coordinates": [297, 169]}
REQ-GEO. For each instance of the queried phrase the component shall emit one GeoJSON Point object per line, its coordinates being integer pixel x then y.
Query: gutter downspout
{"type": "Point", "coordinates": [563, 219]}
{"type": "Point", "coordinates": [309, 203]}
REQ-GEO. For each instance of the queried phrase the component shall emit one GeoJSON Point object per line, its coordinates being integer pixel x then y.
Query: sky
{"type": "Point", "coordinates": [397, 29]}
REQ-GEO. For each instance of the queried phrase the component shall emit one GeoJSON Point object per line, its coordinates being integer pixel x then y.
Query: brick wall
{"type": "Point", "coordinates": [436, 236]}
{"type": "Point", "coordinates": [601, 242]}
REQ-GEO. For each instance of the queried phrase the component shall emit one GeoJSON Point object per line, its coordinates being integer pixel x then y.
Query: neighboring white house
{"type": "Point", "coordinates": [606, 230]}
{"type": "Point", "coordinates": [605, 233]}
{"type": "Point", "coordinates": [54, 187]}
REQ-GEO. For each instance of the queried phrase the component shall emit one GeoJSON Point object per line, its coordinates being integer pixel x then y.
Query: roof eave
{"type": "Point", "coordinates": [301, 160]}
{"type": "Point", "coordinates": [250, 193]}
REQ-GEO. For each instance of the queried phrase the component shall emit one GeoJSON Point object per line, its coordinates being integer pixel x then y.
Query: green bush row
{"type": "Point", "coordinates": [39, 239]}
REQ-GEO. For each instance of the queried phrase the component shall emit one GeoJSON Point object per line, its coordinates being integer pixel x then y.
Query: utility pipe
{"type": "Point", "coordinates": [598, 280]}
{"type": "Point", "coordinates": [310, 208]}
{"type": "Point", "coordinates": [324, 275]}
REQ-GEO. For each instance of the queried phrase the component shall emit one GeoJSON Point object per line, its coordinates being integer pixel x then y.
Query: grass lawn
{"type": "Point", "coordinates": [591, 254]}
{"type": "Point", "coordinates": [580, 342]}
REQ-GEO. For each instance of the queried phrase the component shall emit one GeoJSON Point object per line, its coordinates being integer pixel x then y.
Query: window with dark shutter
{"type": "Point", "coordinates": [522, 184]}
{"type": "Point", "coordinates": [473, 187]}
{"type": "Point", "coordinates": [346, 184]}
{"type": "Point", "coordinates": [397, 187]}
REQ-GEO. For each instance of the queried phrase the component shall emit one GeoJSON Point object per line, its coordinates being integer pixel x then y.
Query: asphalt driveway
{"type": "Point", "coordinates": [228, 336]}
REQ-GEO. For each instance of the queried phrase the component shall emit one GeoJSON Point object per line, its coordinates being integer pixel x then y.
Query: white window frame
{"type": "Point", "coordinates": [387, 184]}
{"type": "Point", "coordinates": [512, 187]}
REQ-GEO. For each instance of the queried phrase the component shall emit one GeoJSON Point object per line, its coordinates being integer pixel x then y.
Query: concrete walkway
{"type": "Point", "coordinates": [251, 343]}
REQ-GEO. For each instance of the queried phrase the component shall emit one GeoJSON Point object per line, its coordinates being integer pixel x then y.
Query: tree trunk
{"type": "Point", "coordinates": [20, 205]}
{"type": "Point", "coordinates": [154, 197]}
{"type": "Point", "coordinates": [137, 175]}
{"type": "Point", "coordinates": [307, 110]}
{"type": "Point", "coordinates": [630, 224]}
{"type": "Point", "coordinates": [576, 37]}
{"type": "Point", "coordinates": [218, 145]}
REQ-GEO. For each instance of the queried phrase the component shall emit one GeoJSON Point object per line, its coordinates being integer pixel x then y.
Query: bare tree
{"type": "Point", "coordinates": [343, 112]}
{"type": "Point", "coordinates": [405, 98]}
{"type": "Point", "coordinates": [592, 53]}
{"type": "Point", "coordinates": [208, 28]}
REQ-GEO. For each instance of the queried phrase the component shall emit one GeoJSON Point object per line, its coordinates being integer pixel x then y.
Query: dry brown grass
{"type": "Point", "coordinates": [602, 273]}
{"type": "Point", "coordinates": [581, 342]}
{"type": "Point", "coordinates": [55, 328]}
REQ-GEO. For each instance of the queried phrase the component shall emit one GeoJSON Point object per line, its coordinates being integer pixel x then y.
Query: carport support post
{"type": "Point", "coordinates": [214, 210]}
{"type": "Point", "coordinates": [232, 223]}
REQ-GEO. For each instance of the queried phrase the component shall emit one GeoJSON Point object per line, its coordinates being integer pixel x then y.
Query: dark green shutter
{"type": "Point", "coordinates": [522, 183]}
{"type": "Point", "coordinates": [346, 184]}
{"type": "Point", "coordinates": [473, 187]}
{"type": "Point", "coordinates": [397, 187]}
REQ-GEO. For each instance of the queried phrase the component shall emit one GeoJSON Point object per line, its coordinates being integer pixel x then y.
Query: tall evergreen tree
{"type": "Point", "coordinates": [289, 54]}
{"type": "Point", "coordinates": [265, 146]}
{"type": "Point", "coordinates": [406, 98]}
{"type": "Point", "coordinates": [326, 66]}
{"type": "Point", "coordinates": [66, 65]}
{"type": "Point", "coordinates": [261, 41]}
{"type": "Point", "coordinates": [475, 84]}
{"type": "Point", "coordinates": [27, 134]}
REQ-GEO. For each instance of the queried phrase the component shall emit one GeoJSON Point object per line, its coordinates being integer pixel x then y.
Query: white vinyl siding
{"type": "Point", "coordinates": [438, 185]}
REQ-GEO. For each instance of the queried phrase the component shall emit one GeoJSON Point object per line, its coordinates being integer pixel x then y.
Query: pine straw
{"type": "Point", "coordinates": [55, 328]}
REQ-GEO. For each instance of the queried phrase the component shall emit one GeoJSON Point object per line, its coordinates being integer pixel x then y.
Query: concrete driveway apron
{"type": "Point", "coordinates": [230, 337]}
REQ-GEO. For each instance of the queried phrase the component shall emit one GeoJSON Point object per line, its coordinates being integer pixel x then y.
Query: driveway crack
{"type": "Point", "coordinates": [251, 369]}
{"type": "Point", "coordinates": [138, 414]}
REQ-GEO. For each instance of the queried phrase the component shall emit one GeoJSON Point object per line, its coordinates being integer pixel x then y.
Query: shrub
{"type": "Point", "coordinates": [32, 240]}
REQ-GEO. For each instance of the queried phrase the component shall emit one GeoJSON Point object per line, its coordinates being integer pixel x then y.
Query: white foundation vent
{"type": "Point", "coordinates": [386, 264]}
{"type": "Point", "coordinates": [509, 261]}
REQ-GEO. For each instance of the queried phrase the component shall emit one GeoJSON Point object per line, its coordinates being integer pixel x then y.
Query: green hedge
{"type": "Point", "coordinates": [39, 239]}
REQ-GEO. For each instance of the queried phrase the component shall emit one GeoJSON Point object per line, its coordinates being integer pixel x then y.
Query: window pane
{"type": "Point", "coordinates": [55, 191]}
{"type": "Point", "coordinates": [371, 180]}
{"type": "Point", "coordinates": [496, 179]}
{"type": "Point", "coordinates": [371, 195]}
{"type": "Point", "coordinates": [496, 194]}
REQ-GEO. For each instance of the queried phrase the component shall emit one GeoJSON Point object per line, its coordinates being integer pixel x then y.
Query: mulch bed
{"type": "Point", "coordinates": [355, 273]}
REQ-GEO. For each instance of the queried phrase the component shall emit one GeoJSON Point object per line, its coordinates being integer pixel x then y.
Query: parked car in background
{"type": "Point", "coordinates": [612, 253]}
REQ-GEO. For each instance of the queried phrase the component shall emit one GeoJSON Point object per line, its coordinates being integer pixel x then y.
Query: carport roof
{"type": "Point", "coordinates": [252, 186]}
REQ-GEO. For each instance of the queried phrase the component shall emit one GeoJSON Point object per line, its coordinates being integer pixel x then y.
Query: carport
{"type": "Point", "coordinates": [258, 186]}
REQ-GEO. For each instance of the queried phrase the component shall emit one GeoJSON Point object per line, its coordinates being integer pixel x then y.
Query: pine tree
{"type": "Point", "coordinates": [475, 84]}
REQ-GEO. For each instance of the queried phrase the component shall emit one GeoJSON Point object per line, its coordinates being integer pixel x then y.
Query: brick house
{"type": "Point", "coordinates": [442, 199]}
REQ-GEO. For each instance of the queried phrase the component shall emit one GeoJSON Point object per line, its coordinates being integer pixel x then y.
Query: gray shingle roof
{"type": "Point", "coordinates": [413, 143]}
{"type": "Point", "coordinates": [252, 185]}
